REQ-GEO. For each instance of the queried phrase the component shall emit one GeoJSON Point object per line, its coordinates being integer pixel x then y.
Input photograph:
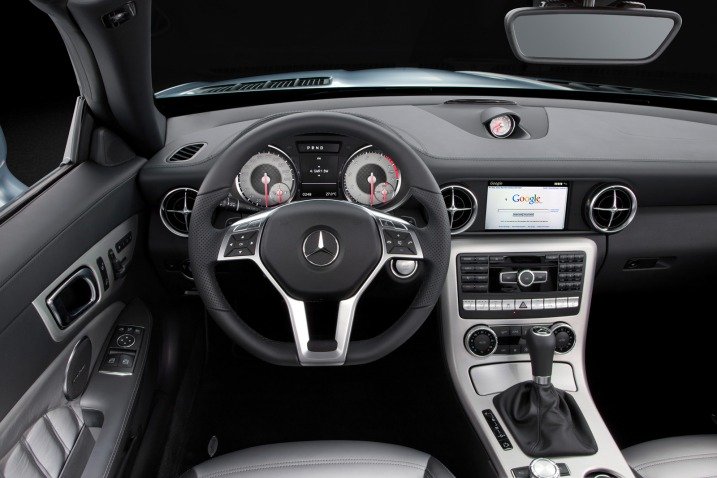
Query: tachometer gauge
{"type": "Point", "coordinates": [267, 179]}
{"type": "Point", "coordinates": [371, 178]}
{"type": "Point", "coordinates": [501, 126]}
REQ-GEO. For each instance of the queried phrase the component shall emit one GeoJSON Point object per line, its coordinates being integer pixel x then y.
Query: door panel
{"type": "Point", "coordinates": [67, 227]}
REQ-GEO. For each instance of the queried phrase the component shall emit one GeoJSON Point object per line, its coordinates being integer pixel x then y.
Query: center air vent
{"type": "Point", "coordinates": [611, 208]}
{"type": "Point", "coordinates": [176, 209]}
{"type": "Point", "coordinates": [462, 207]}
{"type": "Point", "coordinates": [186, 153]}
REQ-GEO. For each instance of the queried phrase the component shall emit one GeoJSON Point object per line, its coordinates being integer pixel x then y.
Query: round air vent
{"type": "Point", "coordinates": [462, 207]}
{"type": "Point", "coordinates": [176, 209]}
{"type": "Point", "coordinates": [611, 208]}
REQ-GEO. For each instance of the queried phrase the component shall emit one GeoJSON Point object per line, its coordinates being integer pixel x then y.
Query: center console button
{"type": "Point", "coordinates": [540, 276]}
{"type": "Point", "coordinates": [502, 331]}
{"type": "Point", "coordinates": [508, 304]}
{"type": "Point", "coordinates": [516, 331]}
{"type": "Point", "coordinates": [482, 305]}
{"type": "Point", "coordinates": [549, 303]}
{"type": "Point", "coordinates": [469, 305]}
{"type": "Point", "coordinates": [561, 303]}
{"type": "Point", "coordinates": [508, 277]}
{"type": "Point", "coordinates": [523, 304]}
{"type": "Point", "coordinates": [496, 305]}
{"type": "Point", "coordinates": [537, 304]}
{"type": "Point", "coordinates": [573, 302]}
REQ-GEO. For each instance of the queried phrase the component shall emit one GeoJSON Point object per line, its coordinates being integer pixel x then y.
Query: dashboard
{"type": "Point", "coordinates": [627, 176]}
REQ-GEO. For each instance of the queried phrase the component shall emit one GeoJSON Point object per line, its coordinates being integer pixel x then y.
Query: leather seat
{"type": "Point", "coordinates": [323, 459]}
{"type": "Point", "coordinates": [679, 457]}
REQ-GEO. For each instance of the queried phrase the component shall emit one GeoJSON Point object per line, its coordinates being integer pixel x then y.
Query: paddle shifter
{"type": "Point", "coordinates": [545, 422]}
{"type": "Point", "coordinates": [541, 346]}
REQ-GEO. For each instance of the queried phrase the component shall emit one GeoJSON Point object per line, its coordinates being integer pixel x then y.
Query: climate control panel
{"type": "Point", "coordinates": [486, 340]}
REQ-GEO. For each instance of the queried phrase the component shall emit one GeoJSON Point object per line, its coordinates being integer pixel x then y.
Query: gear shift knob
{"type": "Point", "coordinates": [541, 347]}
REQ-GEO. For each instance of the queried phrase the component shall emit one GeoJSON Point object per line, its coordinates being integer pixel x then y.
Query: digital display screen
{"type": "Point", "coordinates": [521, 206]}
{"type": "Point", "coordinates": [319, 175]}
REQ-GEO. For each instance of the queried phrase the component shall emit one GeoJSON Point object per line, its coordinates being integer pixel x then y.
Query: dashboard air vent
{"type": "Point", "coordinates": [186, 152]}
{"type": "Point", "coordinates": [611, 208]}
{"type": "Point", "coordinates": [462, 207]}
{"type": "Point", "coordinates": [176, 210]}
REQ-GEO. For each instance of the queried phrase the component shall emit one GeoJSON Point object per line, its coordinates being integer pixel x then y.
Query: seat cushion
{"type": "Point", "coordinates": [679, 457]}
{"type": "Point", "coordinates": [323, 459]}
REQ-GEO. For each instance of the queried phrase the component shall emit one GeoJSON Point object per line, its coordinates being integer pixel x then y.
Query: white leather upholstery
{"type": "Point", "coordinates": [679, 457]}
{"type": "Point", "coordinates": [323, 459]}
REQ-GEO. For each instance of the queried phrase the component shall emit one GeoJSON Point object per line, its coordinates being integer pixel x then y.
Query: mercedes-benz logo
{"type": "Point", "coordinates": [321, 248]}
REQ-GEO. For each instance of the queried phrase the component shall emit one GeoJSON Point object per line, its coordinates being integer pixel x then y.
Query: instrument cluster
{"type": "Point", "coordinates": [319, 167]}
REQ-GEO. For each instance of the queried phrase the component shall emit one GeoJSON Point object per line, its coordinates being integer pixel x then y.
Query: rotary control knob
{"type": "Point", "coordinates": [544, 468]}
{"type": "Point", "coordinates": [481, 341]}
{"type": "Point", "coordinates": [526, 278]}
{"type": "Point", "coordinates": [564, 338]}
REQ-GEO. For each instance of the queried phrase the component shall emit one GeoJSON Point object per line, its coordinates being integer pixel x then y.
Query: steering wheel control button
{"type": "Point", "coordinates": [125, 340]}
{"type": "Point", "coordinates": [242, 244]}
{"type": "Point", "coordinates": [321, 248]}
{"type": "Point", "coordinates": [544, 468]}
{"type": "Point", "coordinates": [481, 341]}
{"type": "Point", "coordinates": [404, 269]}
{"type": "Point", "coordinates": [398, 242]}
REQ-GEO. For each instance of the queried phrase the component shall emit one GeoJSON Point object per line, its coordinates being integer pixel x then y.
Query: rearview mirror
{"type": "Point", "coordinates": [595, 36]}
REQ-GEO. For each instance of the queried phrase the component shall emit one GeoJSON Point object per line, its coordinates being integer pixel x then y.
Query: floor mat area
{"type": "Point", "coordinates": [407, 399]}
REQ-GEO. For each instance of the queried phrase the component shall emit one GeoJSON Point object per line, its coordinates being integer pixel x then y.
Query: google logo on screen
{"type": "Point", "coordinates": [534, 199]}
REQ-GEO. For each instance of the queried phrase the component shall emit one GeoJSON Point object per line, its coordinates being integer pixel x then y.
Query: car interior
{"type": "Point", "coordinates": [359, 268]}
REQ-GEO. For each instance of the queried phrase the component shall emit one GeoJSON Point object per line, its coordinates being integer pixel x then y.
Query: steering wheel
{"type": "Point", "coordinates": [320, 250]}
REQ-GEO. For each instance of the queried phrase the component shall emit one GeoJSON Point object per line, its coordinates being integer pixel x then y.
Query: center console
{"type": "Point", "coordinates": [499, 289]}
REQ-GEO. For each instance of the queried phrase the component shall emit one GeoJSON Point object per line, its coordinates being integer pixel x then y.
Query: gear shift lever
{"type": "Point", "coordinates": [544, 421]}
{"type": "Point", "coordinates": [541, 347]}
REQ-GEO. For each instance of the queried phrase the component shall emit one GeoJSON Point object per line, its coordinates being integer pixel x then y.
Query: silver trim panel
{"type": "Point", "coordinates": [461, 362]}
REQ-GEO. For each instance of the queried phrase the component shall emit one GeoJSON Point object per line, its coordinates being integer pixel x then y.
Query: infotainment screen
{"type": "Point", "coordinates": [522, 205]}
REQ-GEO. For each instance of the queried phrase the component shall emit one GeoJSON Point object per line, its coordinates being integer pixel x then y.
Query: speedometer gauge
{"type": "Point", "coordinates": [371, 178]}
{"type": "Point", "coordinates": [267, 179]}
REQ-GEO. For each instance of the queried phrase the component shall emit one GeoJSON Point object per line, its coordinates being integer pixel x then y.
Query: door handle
{"type": "Point", "coordinates": [74, 297]}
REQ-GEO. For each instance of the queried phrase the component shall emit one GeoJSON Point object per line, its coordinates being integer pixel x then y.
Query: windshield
{"type": "Point", "coordinates": [219, 40]}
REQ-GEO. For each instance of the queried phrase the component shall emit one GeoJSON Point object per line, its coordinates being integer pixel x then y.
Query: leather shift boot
{"type": "Point", "coordinates": [544, 421]}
